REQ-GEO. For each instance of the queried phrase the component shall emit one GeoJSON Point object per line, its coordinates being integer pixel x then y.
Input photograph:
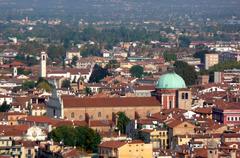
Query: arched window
{"type": "Point", "coordinates": [72, 115]}
{"type": "Point", "coordinates": [43, 57]}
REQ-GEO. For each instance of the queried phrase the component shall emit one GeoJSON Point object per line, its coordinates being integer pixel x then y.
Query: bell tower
{"type": "Point", "coordinates": [43, 69]}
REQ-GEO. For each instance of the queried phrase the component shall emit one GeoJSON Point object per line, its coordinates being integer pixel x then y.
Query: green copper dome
{"type": "Point", "coordinates": [170, 81]}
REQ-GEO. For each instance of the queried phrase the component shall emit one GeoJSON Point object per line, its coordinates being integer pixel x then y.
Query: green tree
{"type": "Point", "coordinates": [90, 50]}
{"type": "Point", "coordinates": [186, 71]}
{"type": "Point", "coordinates": [65, 134]}
{"type": "Point", "coordinates": [66, 84]}
{"type": "Point", "coordinates": [44, 85]}
{"type": "Point", "coordinates": [28, 85]}
{"type": "Point", "coordinates": [169, 56]}
{"type": "Point", "coordinates": [56, 53]}
{"type": "Point", "coordinates": [136, 71]}
{"type": "Point", "coordinates": [122, 122]}
{"type": "Point", "coordinates": [74, 61]}
{"type": "Point", "coordinates": [83, 137]}
{"type": "Point", "coordinates": [21, 71]}
{"type": "Point", "coordinates": [98, 74]}
{"type": "Point", "coordinates": [184, 41]}
{"type": "Point", "coordinates": [5, 107]}
{"type": "Point", "coordinates": [87, 138]}
{"type": "Point", "coordinates": [113, 64]}
{"type": "Point", "coordinates": [87, 91]}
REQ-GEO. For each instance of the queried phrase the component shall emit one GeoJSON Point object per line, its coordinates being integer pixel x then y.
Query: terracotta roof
{"type": "Point", "coordinates": [38, 119]}
{"type": "Point", "coordinates": [145, 87]}
{"type": "Point", "coordinates": [205, 110]}
{"type": "Point", "coordinates": [100, 123]}
{"type": "Point", "coordinates": [71, 102]}
{"type": "Point", "coordinates": [69, 123]}
{"type": "Point", "coordinates": [112, 144]}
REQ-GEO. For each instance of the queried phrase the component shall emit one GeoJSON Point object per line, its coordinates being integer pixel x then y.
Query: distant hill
{"type": "Point", "coordinates": [126, 10]}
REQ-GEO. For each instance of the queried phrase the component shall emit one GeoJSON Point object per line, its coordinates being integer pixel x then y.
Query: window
{"type": "Point", "coordinates": [228, 118]}
{"type": "Point", "coordinates": [99, 114]}
{"type": "Point", "coordinates": [186, 95]}
{"type": "Point", "coordinates": [107, 116]}
{"type": "Point", "coordinates": [183, 96]}
{"type": "Point", "coordinates": [72, 115]}
{"type": "Point", "coordinates": [235, 118]}
{"type": "Point", "coordinates": [185, 125]}
{"type": "Point", "coordinates": [80, 117]}
{"type": "Point", "coordinates": [43, 57]}
{"type": "Point", "coordinates": [170, 104]}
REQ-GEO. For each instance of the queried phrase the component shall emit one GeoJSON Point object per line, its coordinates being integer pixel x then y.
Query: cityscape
{"type": "Point", "coordinates": [119, 79]}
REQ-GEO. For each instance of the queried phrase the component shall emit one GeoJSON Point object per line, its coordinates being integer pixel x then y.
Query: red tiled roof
{"type": "Point", "coordinates": [100, 123]}
{"type": "Point", "coordinates": [38, 119]}
{"type": "Point", "coordinates": [112, 144]}
{"type": "Point", "coordinates": [71, 102]}
{"type": "Point", "coordinates": [205, 110]}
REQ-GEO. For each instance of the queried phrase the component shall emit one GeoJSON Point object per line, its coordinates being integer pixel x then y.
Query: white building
{"type": "Point", "coordinates": [7, 99]}
{"type": "Point", "coordinates": [43, 68]}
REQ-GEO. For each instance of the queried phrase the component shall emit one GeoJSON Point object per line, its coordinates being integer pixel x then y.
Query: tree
{"type": "Point", "coordinates": [184, 41]}
{"type": "Point", "coordinates": [56, 53]}
{"type": "Point", "coordinates": [98, 74]}
{"type": "Point", "coordinates": [64, 134]}
{"type": "Point", "coordinates": [90, 50]}
{"type": "Point", "coordinates": [113, 64]}
{"type": "Point", "coordinates": [88, 91]}
{"type": "Point", "coordinates": [28, 85]}
{"type": "Point", "coordinates": [87, 138]}
{"type": "Point", "coordinates": [43, 84]}
{"type": "Point", "coordinates": [21, 71]}
{"type": "Point", "coordinates": [186, 71]}
{"type": "Point", "coordinates": [122, 122]}
{"type": "Point", "coordinates": [136, 71]}
{"type": "Point", "coordinates": [5, 107]}
{"type": "Point", "coordinates": [82, 137]}
{"type": "Point", "coordinates": [74, 61]}
{"type": "Point", "coordinates": [169, 56]}
{"type": "Point", "coordinates": [66, 84]}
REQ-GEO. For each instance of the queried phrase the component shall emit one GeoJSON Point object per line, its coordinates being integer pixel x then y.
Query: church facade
{"type": "Point", "coordinates": [171, 92]}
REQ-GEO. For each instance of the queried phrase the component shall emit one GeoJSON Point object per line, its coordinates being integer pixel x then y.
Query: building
{"type": "Point", "coordinates": [229, 56]}
{"type": "Point", "coordinates": [77, 108]}
{"type": "Point", "coordinates": [172, 92]}
{"type": "Point", "coordinates": [191, 61]}
{"type": "Point", "coordinates": [227, 76]}
{"type": "Point", "coordinates": [72, 53]}
{"type": "Point", "coordinates": [125, 149]}
{"type": "Point", "coordinates": [178, 127]}
{"type": "Point", "coordinates": [203, 79]}
{"type": "Point", "coordinates": [211, 60]}
{"type": "Point", "coordinates": [43, 68]}
{"type": "Point", "coordinates": [157, 137]}
{"type": "Point", "coordinates": [227, 113]}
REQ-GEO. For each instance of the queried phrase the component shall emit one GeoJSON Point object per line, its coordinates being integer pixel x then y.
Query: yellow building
{"type": "Point", "coordinates": [158, 138]}
{"type": "Point", "coordinates": [124, 149]}
{"type": "Point", "coordinates": [211, 60]}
